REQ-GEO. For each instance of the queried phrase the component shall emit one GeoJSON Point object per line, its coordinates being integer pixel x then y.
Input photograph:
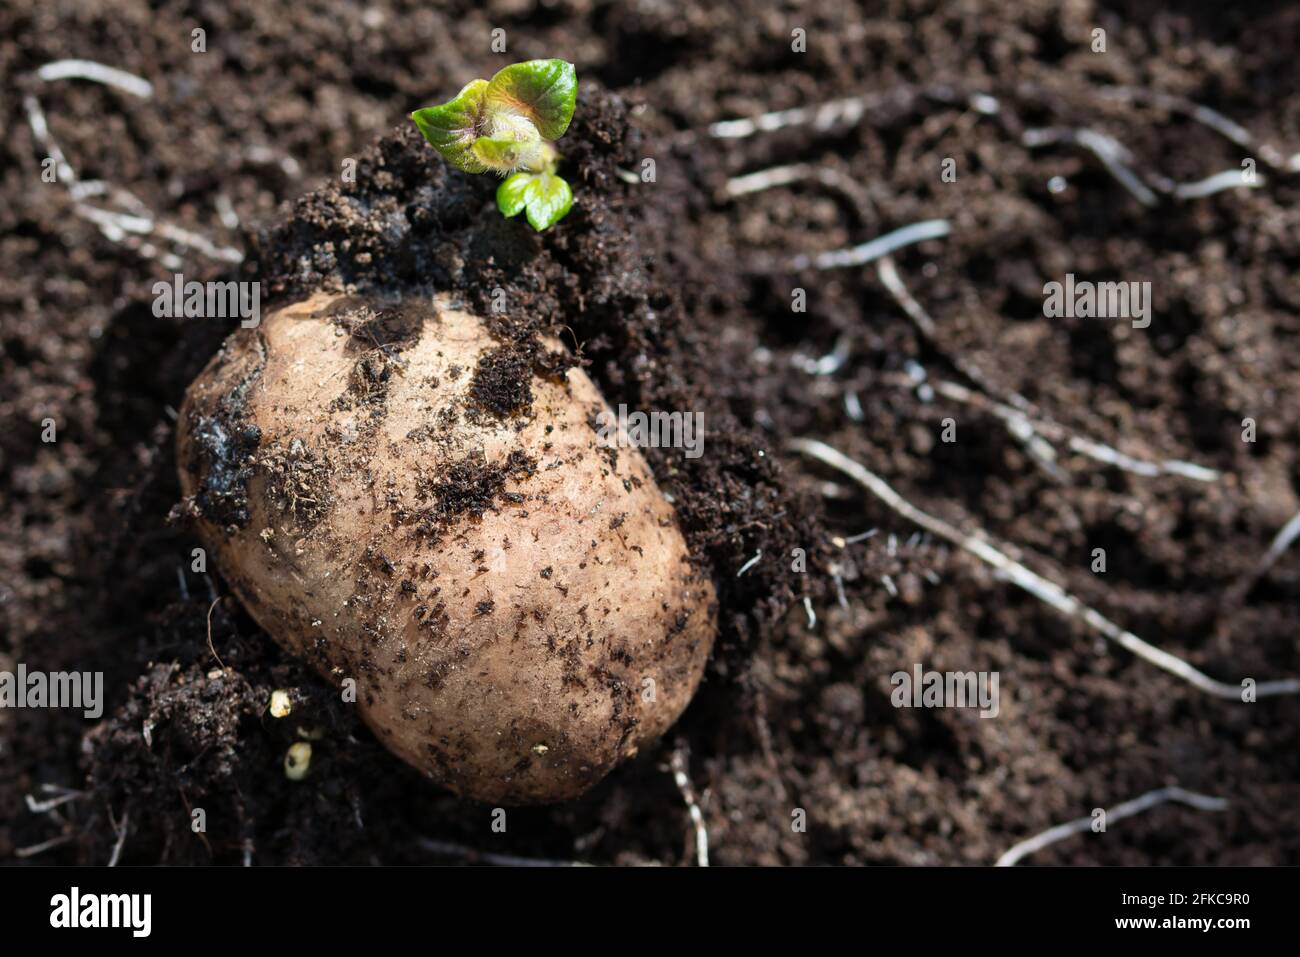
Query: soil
{"type": "Point", "coordinates": [673, 296]}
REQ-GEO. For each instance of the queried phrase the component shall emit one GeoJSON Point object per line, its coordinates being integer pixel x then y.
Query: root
{"type": "Point", "coordinates": [1119, 162]}
{"type": "Point", "coordinates": [889, 277]}
{"type": "Point", "coordinates": [847, 112]}
{"type": "Point", "coordinates": [751, 563]}
{"type": "Point", "coordinates": [1228, 179]}
{"type": "Point", "coordinates": [833, 180]}
{"type": "Point", "coordinates": [132, 222]}
{"type": "Point", "coordinates": [808, 610]}
{"type": "Point", "coordinates": [1115, 157]}
{"type": "Point", "coordinates": [1046, 591]}
{"type": "Point", "coordinates": [1113, 154]}
{"type": "Point", "coordinates": [120, 829]}
{"type": "Point", "coordinates": [1034, 431]}
{"type": "Point", "coordinates": [1129, 808]}
{"type": "Point", "coordinates": [50, 806]}
{"type": "Point", "coordinates": [61, 797]}
{"type": "Point", "coordinates": [96, 73]}
{"type": "Point", "coordinates": [1038, 434]}
{"type": "Point", "coordinates": [211, 648]}
{"type": "Point", "coordinates": [681, 777]}
{"type": "Point", "coordinates": [1281, 542]}
{"type": "Point", "coordinates": [51, 844]}
{"type": "Point", "coordinates": [1210, 118]}
{"type": "Point", "coordinates": [874, 249]}
{"type": "Point", "coordinates": [842, 113]}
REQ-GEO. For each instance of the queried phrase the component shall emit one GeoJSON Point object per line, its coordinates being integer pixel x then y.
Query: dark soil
{"type": "Point", "coordinates": [666, 292]}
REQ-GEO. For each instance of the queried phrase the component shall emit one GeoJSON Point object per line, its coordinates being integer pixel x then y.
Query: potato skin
{"type": "Point", "coordinates": [514, 602]}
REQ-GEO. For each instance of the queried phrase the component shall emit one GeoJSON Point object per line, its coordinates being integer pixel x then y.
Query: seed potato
{"type": "Point", "coordinates": [397, 498]}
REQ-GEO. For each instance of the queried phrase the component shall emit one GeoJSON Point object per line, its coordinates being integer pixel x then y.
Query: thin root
{"type": "Point", "coordinates": [1022, 420]}
{"type": "Point", "coordinates": [133, 222]}
{"type": "Point", "coordinates": [1046, 591]}
{"type": "Point", "coordinates": [1136, 806]}
{"type": "Point", "coordinates": [120, 829]}
{"type": "Point", "coordinates": [1281, 542]}
{"type": "Point", "coordinates": [682, 778]}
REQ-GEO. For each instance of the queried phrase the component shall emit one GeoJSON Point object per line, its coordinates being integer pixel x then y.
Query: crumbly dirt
{"type": "Point", "coordinates": [673, 297]}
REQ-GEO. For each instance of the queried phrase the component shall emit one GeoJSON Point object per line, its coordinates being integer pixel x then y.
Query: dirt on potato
{"type": "Point", "coordinates": [285, 142]}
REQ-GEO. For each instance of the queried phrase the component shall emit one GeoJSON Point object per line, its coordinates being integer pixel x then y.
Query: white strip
{"type": "Point", "coordinates": [1147, 801]}
{"type": "Point", "coordinates": [96, 73]}
{"type": "Point", "coordinates": [876, 248]}
{"type": "Point", "coordinates": [768, 179]}
{"type": "Point", "coordinates": [832, 113]}
{"type": "Point", "coordinates": [1228, 179]}
{"type": "Point", "coordinates": [1038, 586]}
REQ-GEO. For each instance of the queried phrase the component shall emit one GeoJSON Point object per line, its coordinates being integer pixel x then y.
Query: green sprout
{"type": "Point", "coordinates": [506, 126]}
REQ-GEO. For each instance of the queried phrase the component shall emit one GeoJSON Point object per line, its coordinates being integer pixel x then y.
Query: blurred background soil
{"type": "Point", "coordinates": [671, 287]}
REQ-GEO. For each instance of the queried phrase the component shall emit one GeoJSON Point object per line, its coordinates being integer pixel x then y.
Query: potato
{"type": "Point", "coordinates": [515, 603]}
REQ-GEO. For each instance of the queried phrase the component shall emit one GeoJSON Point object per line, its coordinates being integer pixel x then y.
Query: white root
{"type": "Point", "coordinates": [1228, 179]}
{"type": "Point", "coordinates": [120, 829]}
{"type": "Point", "coordinates": [41, 848]}
{"type": "Point", "coordinates": [769, 179]}
{"type": "Point", "coordinates": [825, 365]}
{"type": "Point", "coordinates": [682, 779]}
{"type": "Point", "coordinates": [1229, 129]}
{"type": "Point", "coordinates": [893, 283]}
{"type": "Point", "coordinates": [1114, 155]}
{"type": "Point", "coordinates": [96, 73]}
{"type": "Point", "coordinates": [870, 251]}
{"type": "Point", "coordinates": [844, 113]}
{"type": "Point", "coordinates": [1041, 588]}
{"type": "Point", "coordinates": [1119, 162]}
{"type": "Point", "coordinates": [1039, 450]}
{"type": "Point", "coordinates": [1012, 408]}
{"type": "Point", "coordinates": [133, 223]}
{"type": "Point", "coordinates": [1028, 429]}
{"type": "Point", "coordinates": [1022, 420]}
{"type": "Point", "coordinates": [832, 114]}
{"type": "Point", "coordinates": [777, 176]}
{"type": "Point", "coordinates": [1281, 542]}
{"type": "Point", "coordinates": [1129, 808]}
{"type": "Point", "coordinates": [61, 797]}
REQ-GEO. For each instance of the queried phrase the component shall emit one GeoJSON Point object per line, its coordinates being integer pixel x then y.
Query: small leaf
{"type": "Point", "coordinates": [548, 199]}
{"type": "Point", "coordinates": [452, 127]}
{"type": "Point", "coordinates": [510, 194]}
{"type": "Point", "coordinates": [545, 91]}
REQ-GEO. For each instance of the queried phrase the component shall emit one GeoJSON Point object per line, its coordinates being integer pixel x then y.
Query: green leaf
{"type": "Point", "coordinates": [544, 91]}
{"type": "Point", "coordinates": [506, 155]}
{"type": "Point", "coordinates": [510, 194]}
{"type": "Point", "coordinates": [452, 127]}
{"type": "Point", "coordinates": [548, 200]}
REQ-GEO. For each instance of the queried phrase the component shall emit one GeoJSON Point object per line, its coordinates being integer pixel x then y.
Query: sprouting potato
{"type": "Point", "coordinates": [398, 498]}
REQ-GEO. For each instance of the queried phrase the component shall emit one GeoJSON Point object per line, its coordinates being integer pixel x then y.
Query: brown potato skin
{"type": "Point", "coordinates": [517, 656]}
